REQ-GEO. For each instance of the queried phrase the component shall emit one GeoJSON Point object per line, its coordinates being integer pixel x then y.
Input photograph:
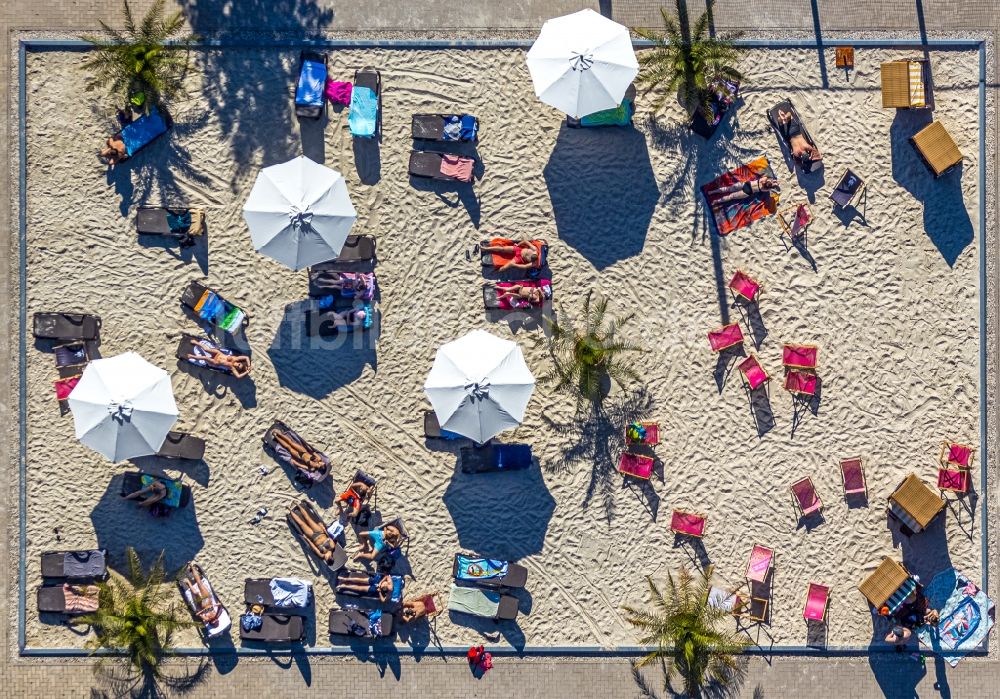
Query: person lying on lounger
{"type": "Point", "coordinates": [350, 501]}
{"type": "Point", "coordinates": [150, 495]}
{"type": "Point", "coordinates": [317, 538]}
{"type": "Point", "coordinates": [743, 190]}
{"type": "Point", "coordinates": [303, 458]}
{"type": "Point", "coordinates": [802, 150]}
{"type": "Point", "coordinates": [524, 254]}
{"type": "Point", "coordinates": [208, 611]}
{"type": "Point", "coordinates": [114, 151]}
{"type": "Point", "coordinates": [356, 282]}
{"type": "Point", "coordinates": [529, 294]}
{"type": "Point", "coordinates": [352, 317]}
{"type": "Point", "coordinates": [414, 609]}
{"type": "Point", "coordinates": [363, 584]}
{"type": "Point", "coordinates": [236, 364]}
{"type": "Point", "coordinates": [377, 540]}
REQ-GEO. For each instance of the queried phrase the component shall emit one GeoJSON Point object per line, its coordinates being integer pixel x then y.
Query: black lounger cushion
{"type": "Point", "coordinates": [66, 326]}
{"type": "Point", "coordinates": [425, 164]}
{"type": "Point", "coordinates": [180, 445]}
{"type": "Point", "coordinates": [508, 608]}
{"type": "Point", "coordinates": [357, 248]}
{"type": "Point", "coordinates": [341, 621]}
{"type": "Point", "coordinates": [429, 127]}
{"type": "Point", "coordinates": [192, 294]}
{"type": "Point", "coordinates": [370, 78]}
{"type": "Point", "coordinates": [258, 587]}
{"type": "Point", "coordinates": [88, 564]}
{"type": "Point", "coordinates": [51, 599]}
{"type": "Point", "coordinates": [277, 628]}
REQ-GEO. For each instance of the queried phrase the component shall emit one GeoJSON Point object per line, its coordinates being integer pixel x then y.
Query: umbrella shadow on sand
{"type": "Point", "coordinates": [120, 523]}
{"type": "Point", "coordinates": [603, 192]}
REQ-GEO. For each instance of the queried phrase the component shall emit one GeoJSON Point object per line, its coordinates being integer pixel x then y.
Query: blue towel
{"type": "Point", "coordinates": [364, 111]}
{"type": "Point", "coordinates": [468, 132]}
{"type": "Point", "coordinates": [312, 81]}
{"type": "Point", "coordinates": [142, 131]}
{"type": "Point", "coordinates": [178, 223]}
{"type": "Point", "coordinates": [480, 568]}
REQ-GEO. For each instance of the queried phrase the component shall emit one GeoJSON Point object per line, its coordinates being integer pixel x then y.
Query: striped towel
{"type": "Point", "coordinates": [904, 517]}
{"type": "Point", "coordinates": [917, 98]}
{"type": "Point", "coordinates": [897, 597]}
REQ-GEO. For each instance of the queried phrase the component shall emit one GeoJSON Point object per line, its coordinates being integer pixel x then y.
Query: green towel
{"type": "Point", "coordinates": [471, 600]}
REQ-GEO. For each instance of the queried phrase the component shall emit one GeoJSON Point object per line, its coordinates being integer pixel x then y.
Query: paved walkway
{"type": "Point", "coordinates": [282, 676]}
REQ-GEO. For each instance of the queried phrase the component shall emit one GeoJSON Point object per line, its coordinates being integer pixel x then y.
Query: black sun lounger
{"type": "Point", "coordinates": [181, 445]}
{"type": "Point", "coordinates": [66, 326]}
{"type": "Point", "coordinates": [90, 564]}
{"type": "Point", "coordinates": [227, 313]}
{"type": "Point", "coordinates": [223, 621]}
{"type": "Point", "coordinates": [279, 452]}
{"type": "Point", "coordinates": [276, 628]}
{"type": "Point", "coordinates": [784, 133]}
{"type": "Point", "coordinates": [258, 591]}
{"type": "Point", "coordinates": [432, 428]}
{"type": "Point", "coordinates": [132, 482]}
{"type": "Point", "coordinates": [184, 347]}
{"type": "Point", "coordinates": [427, 164]}
{"type": "Point", "coordinates": [52, 600]}
{"type": "Point", "coordinates": [488, 604]}
{"type": "Point", "coordinates": [516, 576]}
{"type": "Point", "coordinates": [339, 559]}
{"type": "Point", "coordinates": [357, 248]}
{"type": "Point", "coordinates": [430, 127]}
{"type": "Point", "coordinates": [354, 622]}
{"type": "Point", "coordinates": [309, 89]}
{"type": "Point", "coordinates": [322, 323]}
{"type": "Point", "coordinates": [495, 458]}
{"type": "Point", "coordinates": [157, 220]}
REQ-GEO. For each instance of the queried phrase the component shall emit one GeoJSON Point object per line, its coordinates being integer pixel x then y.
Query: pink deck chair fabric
{"type": "Point", "coordinates": [958, 454]}
{"type": "Point", "coordinates": [65, 386]}
{"type": "Point", "coordinates": [726, 336]}
{"type": "Point", "coordinates": [687, 523]}
{"type": "Point", "coordinates": [801, 220]}
{"type": "Point", "coordinates": [800, 383]}
{"type": "Point", "coordinates": [806, 497]}
{"type": "Point", "coordinates": [954, 479]}
{"type": "Point", "coordinates": [636, 465]}
{"type": "Point", "coordinates": [800, 356]}
{"type": "Point", "coordinates": [760, 563]}
{"type": "Point", "coordinates": [816, 599]}
{"type": "Point", "coordinates": [753, 373]}
{"type": "Point", "coordinates": [744, 285]}
{"type": "Point", "coordinates": [854, 476]}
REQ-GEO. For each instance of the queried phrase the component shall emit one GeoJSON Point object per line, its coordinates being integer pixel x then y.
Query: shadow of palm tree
{"type": "Point", "coordinates": [729, 686]}
{"type": "Point", "coordinates": [119, 680]}
{"type": "Point", "coordinates": [601, 430]}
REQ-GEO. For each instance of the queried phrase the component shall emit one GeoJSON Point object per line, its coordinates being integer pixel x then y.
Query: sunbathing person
{"type": "Point", "coordinates": [151, 494]}
{"type": "Point", "coordinates": [528, 294]}
{"type": "Point", "coordinates": [350, 501]}
{"type": "Point", "coordinates": [363, 584]}
{"type": "Point", "coordinates": [524, 254]}
{"type": "Point", "coordinates": [236, 364]}
{"type": "Point", "coordinates": [114, 151]}
{"type": "Point", "coordinates": [352, 317]}
{"type": "Point", "coordinates": [208, 610]}
{"type": "Point", "coordinates": [317, 538]}
{"type": "Point", "coordinates": [802, 150]}
{"type": "Point", "coordinates": [743, 190]}
{"type": "Point", "coordinates": [303, 458]}
{"type": "Point", "coordinates": [414, 609]}
{"type": "Point", "coordinates": [356, 282]}
{"type": "Point", "coordinates": [377, 540]}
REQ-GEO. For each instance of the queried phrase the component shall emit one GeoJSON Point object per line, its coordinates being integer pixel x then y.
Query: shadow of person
{"type": "Point", "coordinates": [897, 676]}
{"type": "Point", "coordinates": [945, 217]}
{"type": "Point", "coordinates": [603, 192]}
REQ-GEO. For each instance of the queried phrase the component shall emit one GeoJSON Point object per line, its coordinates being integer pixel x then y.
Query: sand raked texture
{"type": "Point", "coordinates": [893, 306]}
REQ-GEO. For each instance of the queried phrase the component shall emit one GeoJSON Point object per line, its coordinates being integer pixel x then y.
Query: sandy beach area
{"type": "Point", "coordinates": [892, 300]}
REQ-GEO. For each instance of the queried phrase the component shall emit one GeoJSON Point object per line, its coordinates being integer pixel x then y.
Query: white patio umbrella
{"type": "Point", "coordinates": [479, 385]}
{"type": "Point", "coordinates": [123, 406]}
{"type": "Point", "coordinates": [582, 63]}
{"type": "Point", "coordinates": [299, 213]}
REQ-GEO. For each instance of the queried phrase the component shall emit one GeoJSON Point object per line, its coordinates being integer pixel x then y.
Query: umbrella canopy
{"type": "Point", "coordinates": [123, 406]}
{"type": "Point", "coordinates": [479, 385]}
{"type": "Point", "coordinates": [582, 63]}
{"type": "Point", "coordinates": [299, 213]}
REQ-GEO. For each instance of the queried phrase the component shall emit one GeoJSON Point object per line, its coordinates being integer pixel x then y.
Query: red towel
{"type": "Point", "coordinates": [458, 167]}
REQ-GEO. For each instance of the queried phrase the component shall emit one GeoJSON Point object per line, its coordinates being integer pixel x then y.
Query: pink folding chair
{"type": "Point", "coordinates": [955, 480]}
{"type": "Point", "coordinates": [687, 523]}
{"type": "Point", "coordinates": [853, 473]}
{"type": "Point", "coordinates": [742, 285]}
{"type": "Point", "coordinates": [957, 454]}
{"type": "Point", "coordinates": [806, 497]}
{"type": "Point", "coordinates": [760, 563]}
{"type": "Point", "coordinates": [817, 600]}
{"type": "Point", "coordinates": [800, 356]}
{"type": "Point", "coordinates": [752, 372]}
{"type": "Point", "coordinates": [801, 217]}
{"type": "Point", "coordinates": [800, 383]}
{"type": "Point", "coordinates": [636, 465]}
{"type": "Point", "coordinates": [725, 337]}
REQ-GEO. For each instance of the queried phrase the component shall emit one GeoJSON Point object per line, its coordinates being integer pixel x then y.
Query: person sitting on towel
{"type": "Point", "coordinates": [361, 583]}
{"type": "Point", "coordinates": [524, 254]}
{"type": "Point", "coordinates": [208, 610]}
{"type": "Point", "coordinates": [314, 533]}
{"type": "Point", "coordinates": [350, 501]}
{"type": "Point", "coordinates": [114, 151]}
{"type": "Point", "coordinates": [743, 190]}
{"type": "Point", "coordinates": [236, 364]}
{"type": "Point", "coordinates": [377, 540]}
{"type": "Point", "coordinates": [802, 150]}
{"type": "Point", "coordinates": [527, 294]}
{"type": "Point", "coordinates": [303, 457]}
{"type": "Point", "coordinates": [151, 494]}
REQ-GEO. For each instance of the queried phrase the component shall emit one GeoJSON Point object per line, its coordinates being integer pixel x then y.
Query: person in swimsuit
{"type": "Point", "coordinates": [303, 457]}
{"type": "Point", "coordinates": [208, 610]}
{"type": "Point", "coordinates": [743, 190]}
{"type": "Point", "coordinates": [527, 294]}
{"type": "Point", "coordinates": [802, 150]}
{"type": "Point", "coordinates": [150, 495]}
{"type": "Point", "coordinates": [236, 364]}
{"type": "Point", "coordinates": [377, 540]}
{"type": "Point", "coordinates": [350, 501]}
{"type": "Point", "coordinates": [358, 283]}
{"type": "Point", "coordinates": [352, 317]}
{"type": "Point", "coordinates": [524, 254]}
{"type": "Point", "coordinates": [379, 584]}
{"type": "Point", "coordinates": [414, 609]}
{"type": "Point", "coordinates": [315, 535]}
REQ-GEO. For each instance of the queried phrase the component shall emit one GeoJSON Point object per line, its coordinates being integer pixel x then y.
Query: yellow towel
{"type": "Point", "coordinates": [917, 98]}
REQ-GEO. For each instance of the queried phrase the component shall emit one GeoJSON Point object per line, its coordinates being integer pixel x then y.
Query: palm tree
{"type": "Point", "coordinates": [136, 65]}
{"type": "Point", "coordinates": [134, 617]}
{"type": "Point", "coordinates": [687, 61]}
{"type": "Point", "coordinates": [583, 360]}
{"type": "Point", "coordinates": [683, 629]}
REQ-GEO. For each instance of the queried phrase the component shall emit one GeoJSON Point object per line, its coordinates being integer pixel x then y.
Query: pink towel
{"type": "Point", "coordinates": [458, 167]}
{"type": "Point", "coordinates": [337, 92]}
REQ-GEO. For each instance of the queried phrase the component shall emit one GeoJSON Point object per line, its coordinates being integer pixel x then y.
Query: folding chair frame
{"type": "Point", "coordinates": [786, 228]}
{"type": "Point", "coordinates": [800, 395]}
{"type": "Point", "coordinates": [743, 608]}
{"type": "Point", "coordinates": [963, 472]}
{"type": "Point", "coordinates": [826, 603]}
{"type": "Point", "coordinates": [703, 518]}
{"type": "Point", "coordinates": [718, 350]}
{"type": "Point", "coordinates": [795, 497]}
{"type": "Point", "coordinates": [812, 368]}
{"type": "Point", "coordinates": [746, 381]}
{"type": "Point", "coordinates": [737, 295]}
{"type": "Point", "coordinates": [859, 194]}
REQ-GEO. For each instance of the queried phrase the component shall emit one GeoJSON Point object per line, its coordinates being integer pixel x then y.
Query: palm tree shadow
{"type": "Point", "coordinates": [119, 681]}
{"type": "Point", "coordinates": [730, 686]}
{"type": "Point", "coordinates": [601, 430]}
